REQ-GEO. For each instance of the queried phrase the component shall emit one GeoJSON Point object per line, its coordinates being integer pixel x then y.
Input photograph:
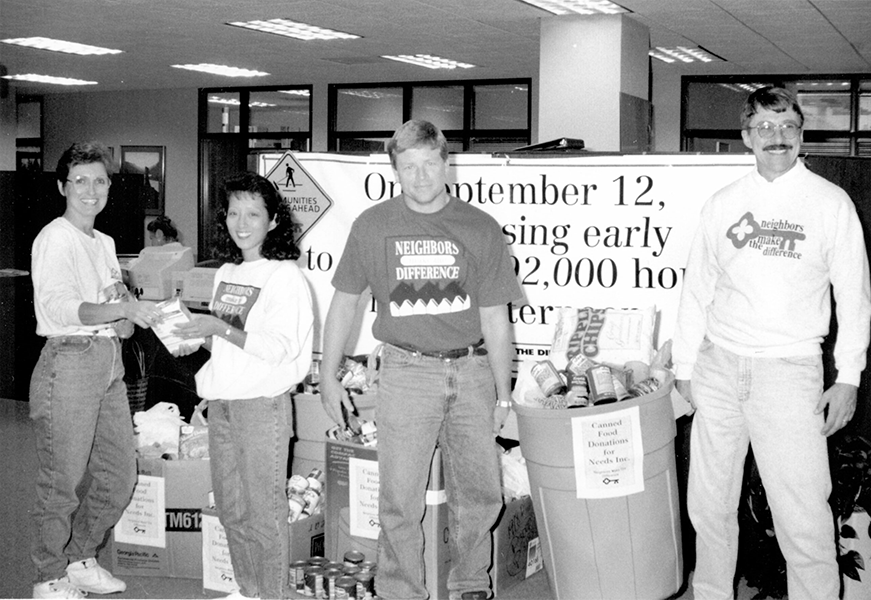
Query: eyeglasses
{"type": "Point", "coordinates": [82, 184]}
{"type": "Point", "coordinates": [766, 130]}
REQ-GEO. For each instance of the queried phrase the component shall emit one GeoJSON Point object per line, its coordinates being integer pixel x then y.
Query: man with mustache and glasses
{"type": "Point", "coordinates": [754, 309]}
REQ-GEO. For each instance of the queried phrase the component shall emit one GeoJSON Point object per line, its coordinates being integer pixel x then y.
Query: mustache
{"type": "Point", "coordinates": [778, 147]}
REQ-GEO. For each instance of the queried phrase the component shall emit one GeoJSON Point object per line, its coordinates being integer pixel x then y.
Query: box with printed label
{"type": "Point", "coordinates": [516, 546]}
{"type": "Point", "coordinates": [160, 532]}
{"type": "Point", "coordinates": [306, 539]}
{"type": "Point", "coordinates": [352, 511]}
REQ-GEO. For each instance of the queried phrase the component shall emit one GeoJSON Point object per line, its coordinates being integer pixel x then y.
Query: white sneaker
{"type": "Point", "coordinates": [89, 576]}
{"type": "Point", "coordinates": [57, 588]}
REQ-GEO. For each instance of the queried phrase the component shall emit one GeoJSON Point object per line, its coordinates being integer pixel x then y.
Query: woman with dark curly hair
{"type": "Point", "coordinates": [260, 336]}
{"type": "Point", "coordinates": [162, 231]}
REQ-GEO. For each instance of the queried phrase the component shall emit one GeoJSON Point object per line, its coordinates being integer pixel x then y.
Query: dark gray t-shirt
{"type": "Point", "coordinates": [429, 273]}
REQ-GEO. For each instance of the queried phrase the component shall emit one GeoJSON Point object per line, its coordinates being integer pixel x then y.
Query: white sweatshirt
{"type": "Point", "coordinates": [760, 269]}
{"type": "Point", "coordinates": [270, 300]}
{"type": "Point", "coordinates": [70, 267]}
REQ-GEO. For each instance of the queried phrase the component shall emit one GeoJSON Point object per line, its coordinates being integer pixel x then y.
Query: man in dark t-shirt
{"type": "Point", "coordinates": [440, 272]}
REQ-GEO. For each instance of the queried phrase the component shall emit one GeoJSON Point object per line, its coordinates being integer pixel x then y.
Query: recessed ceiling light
{"type": "Point", "coordinates": [289, 28]}
{"type": "Point", "coordinates": [579, 7]}
{"type": "Point", "coordinates": [49, 79]}
{"type": "Point", "coordinates": [430, 62]}
{"type": "Point", "coordinates": [42, 43]}
{"type": "Point", "coordinates": [221, 70]}
{"type": "Point", "coordinates": [683, 54]}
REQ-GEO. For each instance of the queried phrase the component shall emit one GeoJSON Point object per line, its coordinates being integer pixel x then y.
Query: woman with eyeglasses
{"type": "Point", "coordinates": [78, 400]}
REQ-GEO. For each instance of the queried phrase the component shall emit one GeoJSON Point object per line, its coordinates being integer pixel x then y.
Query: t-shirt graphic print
{"type": "Point", "coordinates": [426, 276]}
{"type": "Point", "coordinates": [233, 303]}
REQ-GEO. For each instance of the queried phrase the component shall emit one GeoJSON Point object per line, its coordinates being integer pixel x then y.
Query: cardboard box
{"type": "Point", "coordinates": [516, 545]}
{"type": "Point", "coordinates": [306, 538]}
{"type": "Point", "coordinates": [352, 510]}
{"type": "Point", "coordinates": [160, 533]}
{"type": "Point", "coordinates": [310, 424]}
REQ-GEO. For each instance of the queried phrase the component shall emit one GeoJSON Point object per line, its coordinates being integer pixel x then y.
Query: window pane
{"type": "Point", "coordinates": [716, 105]}
{"type": "Point", "coordinates": [282, 110]}
{"type": "Point", "coordinates": [501, 106]}
{"type": "Point", "coordinates": [223, 113]}
{"type": "Point", "coordinates": [441, 106]}
{"type": "Point", "coordinates": [296, 144]}
{"type": "Point", "coordinates": [825, 104]}
{"type": "Point", "coordinates": [373, 145]}
{"type": "Point", "coordinates": [368, 109]}
{"type": "Point", "coordinates": [865, 105]}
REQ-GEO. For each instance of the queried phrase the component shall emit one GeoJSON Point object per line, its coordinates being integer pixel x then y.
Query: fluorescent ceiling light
{"type": "Point", "coordinates": [743, 87]}
{"type": "Point", "coordinates": [49, 79]}
{"type": "Point", "coordinates": [296, 92]}
{"type": "Point", "coordinates": [221, 70]}
{"type": "Point", "coordinates": [300, 31]}
{"type": "Point", "coordinates": [369, 94]}
{"type": "Point", "coordinates": [683, 54]}
{"type": "Point", "coordinates": [235, 102]}
{"type": "Point", "coordinates": [579, 7]}
{"type": "Point", "coordinates": [430, 62]}
{"type": "Point", "coordinates": [42, 43]}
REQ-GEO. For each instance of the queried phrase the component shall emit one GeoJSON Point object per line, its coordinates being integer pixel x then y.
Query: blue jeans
{"type": "Point", "coordinates": [423, 402]}
{"type": "Point", "coordinates": [81, 418]}
{"type": "Point", "coordinates": [769, 403]}
{"type": "Point", "coordinates": [248, 446]}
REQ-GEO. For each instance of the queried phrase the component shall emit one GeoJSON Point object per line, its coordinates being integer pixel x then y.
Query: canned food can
{"type": "Point", "coordinates": [578, 364]}
{"type": "Point", "coordinates": [368, 566]}
{"type": "Point", "coordinates": [648, 386]}
{"type": "Point", "coordinates": [297, 575]}
{"type": "Point", "coordinates": [601, 385]}
{"type": "Point", "coordinates": [547, 377]}
{"type": "Point", "coordinates": [620, 389]}
{"type": "Point", "coordinates": [295, 505]}
{"type": "Point", "coordinates": [365, 585]}
{"type": "Point", "coordinates": [330, 577]}
{"type": "Point", "coordinates": [346, 587]}
{"type": "Point", "coordinates": [297, 484]}
{"type": "Point", "coordinates": [354, 558]}
{"type": "Point", "coordinates": [318, 561]}
{"type": "Point", "coordinates": [314, 582]}
{"type": "Point", "coordinates": [311, 500]}
{"type": "Point", "coordinates": [350, 571]}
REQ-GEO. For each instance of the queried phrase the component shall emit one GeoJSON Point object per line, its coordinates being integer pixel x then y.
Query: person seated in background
{"type": "Point", "coordinates": [161, 232]}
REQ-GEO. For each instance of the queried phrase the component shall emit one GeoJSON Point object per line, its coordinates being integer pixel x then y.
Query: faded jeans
{"type": "Point", "coordinates": [81, 418]}
{"type": "Point", "coordinates": [423, 402]}
{"type": "Point", "coordinates": [249, 445]}
{"type": "Point", "coordinates": [769, 403]}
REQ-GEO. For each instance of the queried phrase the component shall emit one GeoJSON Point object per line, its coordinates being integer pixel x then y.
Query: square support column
{"type": "Point", "coordinates": [593, 82]}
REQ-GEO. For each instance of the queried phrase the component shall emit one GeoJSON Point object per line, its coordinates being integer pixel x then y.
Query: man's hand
{"type": "Point", "coordinates": [841, 400]}
{"type": "Point", "coordinates": [333, 395]}
{"type": "Point", "coordinates": [684, 388]}
{"type": "Point", "coordinates": [499, 416]}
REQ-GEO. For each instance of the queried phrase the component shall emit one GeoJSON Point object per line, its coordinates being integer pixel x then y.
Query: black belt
{"type": "Point", "coordinates": [476, 349]}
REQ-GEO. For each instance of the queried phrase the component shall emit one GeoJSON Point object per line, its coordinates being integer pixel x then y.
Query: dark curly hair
{"type": "Point", "coordinates": [164, 224]}
{"type": "Point", "coordinates": [84, 153]}
{"type": "Point", "coordinates": [280, 243]}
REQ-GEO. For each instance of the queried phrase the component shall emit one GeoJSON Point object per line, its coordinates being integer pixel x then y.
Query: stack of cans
{"type": "Point", "coordinates": [585, 382]}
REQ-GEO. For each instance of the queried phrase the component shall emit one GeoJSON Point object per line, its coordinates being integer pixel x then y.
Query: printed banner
{"type": "Point", "coordinates": [597, 231]}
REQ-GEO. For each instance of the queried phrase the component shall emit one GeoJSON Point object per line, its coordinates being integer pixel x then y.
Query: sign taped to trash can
{"type": "Point", "coordinates": [608, 453]}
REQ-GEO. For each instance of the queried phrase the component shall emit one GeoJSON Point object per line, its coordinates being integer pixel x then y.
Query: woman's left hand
{"type": "Point", "coordinates": [200, 326]}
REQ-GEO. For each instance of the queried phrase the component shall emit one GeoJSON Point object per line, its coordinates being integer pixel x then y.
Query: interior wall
{"type": "Point", "coordinates": [142, 118]}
